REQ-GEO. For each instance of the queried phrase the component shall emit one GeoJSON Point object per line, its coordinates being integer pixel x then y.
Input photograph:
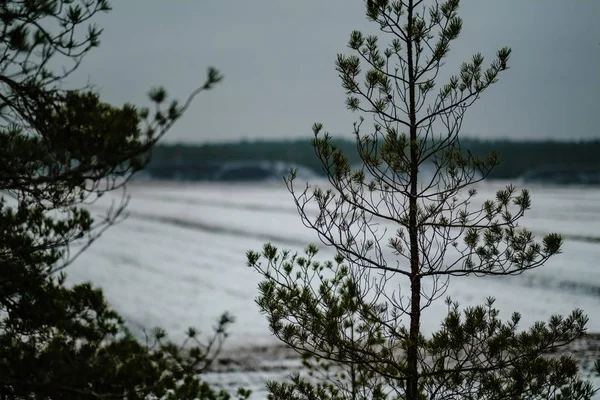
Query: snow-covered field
{"type": "Point", "coordinates": [179, 259]}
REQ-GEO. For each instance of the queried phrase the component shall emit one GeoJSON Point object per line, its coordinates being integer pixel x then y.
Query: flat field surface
{"type": "Point", "coordinates": [178, 260]}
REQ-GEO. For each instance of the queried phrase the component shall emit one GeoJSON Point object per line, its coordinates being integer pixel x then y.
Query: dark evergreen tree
{"type": "Point", "coordinates": [357, 319]}
{"type": "Point", "coordinates": [60, 149]}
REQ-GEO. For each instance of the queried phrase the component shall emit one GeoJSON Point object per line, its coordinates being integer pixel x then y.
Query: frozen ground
{"type": "Point", "coordinates": [179, 260]}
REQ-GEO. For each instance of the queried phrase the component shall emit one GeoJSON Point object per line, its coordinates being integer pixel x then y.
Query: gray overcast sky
{"type": "Point", "coordinates": [277, 57]}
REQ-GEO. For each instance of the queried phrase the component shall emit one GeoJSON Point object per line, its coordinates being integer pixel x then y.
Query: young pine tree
{"type": "Point", "coordinates": [401, 236]}
{"type": "Point", "coordinates": [59, 150]}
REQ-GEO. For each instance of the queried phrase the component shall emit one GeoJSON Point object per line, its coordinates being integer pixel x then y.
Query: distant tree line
{"type": "Point", "coordinates": [516, 158]}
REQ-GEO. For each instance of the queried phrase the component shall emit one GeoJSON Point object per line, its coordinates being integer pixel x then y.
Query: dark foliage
{"type": "Point", "coordinates": [516, 158]}
{"type": "Point", "coordinates": [59, 150]}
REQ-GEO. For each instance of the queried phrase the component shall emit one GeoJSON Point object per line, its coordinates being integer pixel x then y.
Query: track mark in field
{"type": "Point", "coordinates": [293, 211]}
{"type": "Point", "coordinates": [221, 204]}
{"type": "Point", "coordinates": [216, 229]}
{"type": "Point", "coordinates": [573, 237]}
{"type": "Point", "coordinates": [580, 288]}
{"type": "Point", "coordinates": [582, 238]}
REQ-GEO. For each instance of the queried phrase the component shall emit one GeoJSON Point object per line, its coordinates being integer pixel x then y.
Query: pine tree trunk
{"type": "Point", "coordinates": [415, 284]}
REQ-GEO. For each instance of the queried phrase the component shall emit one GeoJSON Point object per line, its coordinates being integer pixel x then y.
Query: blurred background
{"type": "Point", "coordinates": [214, 188]}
